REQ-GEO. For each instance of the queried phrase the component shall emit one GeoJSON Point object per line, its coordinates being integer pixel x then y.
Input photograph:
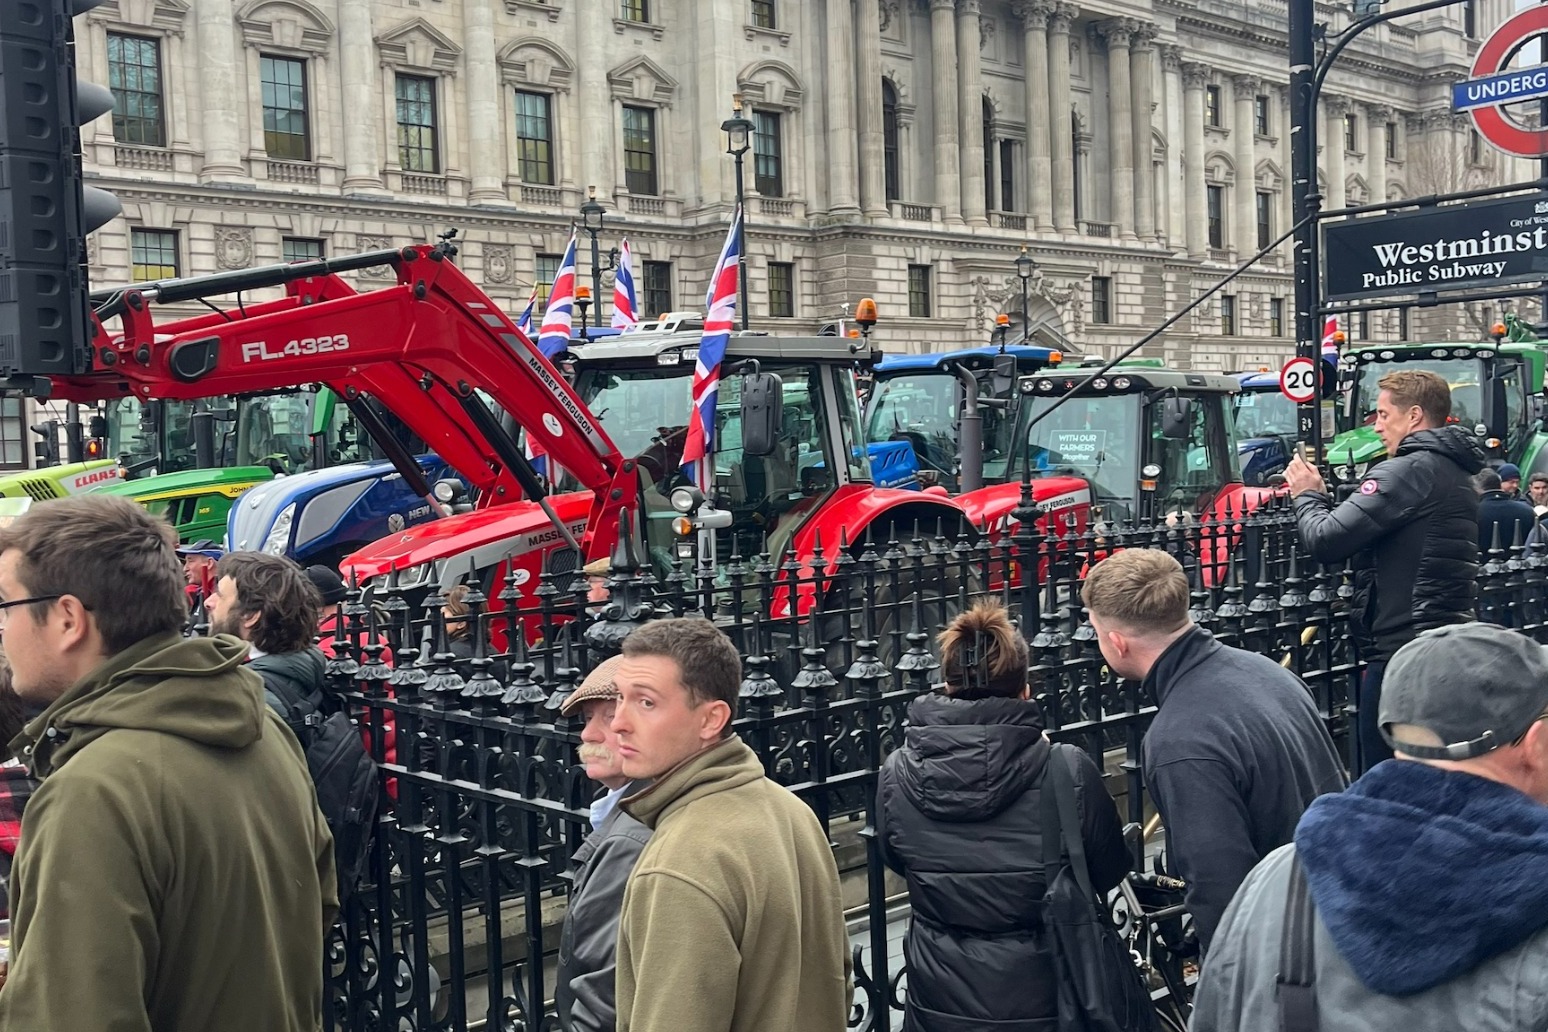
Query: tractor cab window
{"type": "Point", "coordinates": [920, 408]}
{"type": "Point", "coordinates": [1193, 467]}
{"type": "Point", "coordinates": [1265, 414]}
{"type": "Point", "coordinates": [275, 430]}
{"type": "Point", "coordinates": [645, 411]}
{"type": "Point", "coordinates": [1465, 375]}
{"type": "Point", "coordinates": [133, 435]}
{"type": "Point", "coordinates": [1510, 374]}
{"type": "Point", "coordinates": [1088, 437]}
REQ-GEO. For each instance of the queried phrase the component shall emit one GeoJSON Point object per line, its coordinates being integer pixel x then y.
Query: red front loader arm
{"type": "Point", "coordinates": [421, 347]}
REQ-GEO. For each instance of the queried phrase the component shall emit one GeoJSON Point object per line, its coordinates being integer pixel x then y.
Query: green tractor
{"type": "Point", "coordinates": [1496, 393]}
{"type": "Point", "coordinates": [190, 460]}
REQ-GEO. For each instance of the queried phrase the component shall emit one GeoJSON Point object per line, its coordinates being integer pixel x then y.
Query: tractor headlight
{"type": "Point", "coordinates": [278, 541]}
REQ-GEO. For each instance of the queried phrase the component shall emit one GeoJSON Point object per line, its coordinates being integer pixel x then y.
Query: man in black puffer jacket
{"type": "Point", "coordinates": [1411, 526]}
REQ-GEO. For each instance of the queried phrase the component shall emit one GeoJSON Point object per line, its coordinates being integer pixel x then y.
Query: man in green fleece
{"type": "Point", "coordinates": [732, 919]}
{"type": "Point", "coordinates": [174, 872]}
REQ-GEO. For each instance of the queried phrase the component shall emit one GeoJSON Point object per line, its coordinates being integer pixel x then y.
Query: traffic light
{"type": "Point", "coordinates": [45, 208]}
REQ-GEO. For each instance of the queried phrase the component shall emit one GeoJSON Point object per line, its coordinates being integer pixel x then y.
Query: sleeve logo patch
{"type": "Point", "coordinates": [1368, 488]}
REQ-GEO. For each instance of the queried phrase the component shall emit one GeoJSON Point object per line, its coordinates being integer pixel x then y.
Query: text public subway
{"type": "Point", "coordinates": [1405, 264]}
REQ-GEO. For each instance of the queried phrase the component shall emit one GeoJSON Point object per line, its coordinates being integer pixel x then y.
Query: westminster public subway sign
{"type": "Point", "coordinates": [1454, 247]}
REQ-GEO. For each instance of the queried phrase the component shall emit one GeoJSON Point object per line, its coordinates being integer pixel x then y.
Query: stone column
{"type": "Point", "coordinates": [1060, 129]}
{"type": "Point", "coordinates": [873, 173]}
{"type": "Point", "coordinates": [218, 89]}
{"type": "Point", "coordinates": [357, 64]}
{"type": "Point", "coordinates": [1377, 118]}
{"type": "Point", "coordinates": [943, 55]}
{"type": "Point", "coordinates": [1120, 131]}
{"type": "Point", "coordinates": [970, 112]}
{"type": "Point", "coordinates": [1195, 77]}
{"type": "Point", "coordinates": [1169, 112]}
{"type": "Point", "coordinates": [842, 140]}
{"type": "Point", "coordinates": [1333, 110]}
{"type": "Point", "coordinates": [1034, 16]}
{"type": "Point", "coordinates": [486, 159]}
{"type": "Point", "coordinates": [1142, 57]}
{"type": "Point", "coordinates": [1246, 206]}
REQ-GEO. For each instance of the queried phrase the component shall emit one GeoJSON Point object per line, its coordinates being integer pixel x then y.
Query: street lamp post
{"type": "Point", "coordinates": [1024, 269]}
{"type": "Point", "coordinates": [592, 213]}
{"type": "Point", "coordinates": [738, 132]}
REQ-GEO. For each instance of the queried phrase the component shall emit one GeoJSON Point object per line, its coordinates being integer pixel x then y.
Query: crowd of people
{"type": "Point", "coordinates": [173, 868]}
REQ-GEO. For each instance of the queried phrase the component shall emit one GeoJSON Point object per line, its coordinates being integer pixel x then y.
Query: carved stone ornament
{"type": "Point", "coordinates": [889, 11]}
{"type": "Point", "coordinates": [986, 29]}
{"type": "Point", "coordinates": [497, 263]}
{"type": "Point", "coordinates": [375, 243]}
{"type": "Point", "coordinates": [233, 247]}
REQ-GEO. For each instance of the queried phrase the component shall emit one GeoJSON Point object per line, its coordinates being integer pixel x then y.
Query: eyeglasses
{"type": "Point", "coordinates": [6, 607]}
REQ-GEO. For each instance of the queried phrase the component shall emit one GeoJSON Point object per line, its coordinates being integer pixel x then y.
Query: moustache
{"type": "Point", "coordinates": [598, 753]}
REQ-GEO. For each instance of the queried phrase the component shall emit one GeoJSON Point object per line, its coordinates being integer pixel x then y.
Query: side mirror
{"type": "Point", "coordinates": [97, 426]}
{"type": "Point", "coordinates": [1003, 379]}
{"type": "Point", "coordinates": [763, 409]}
{"type": "Point", "coordinates": [203, 426]}
{"type": "Point", "coordinates": [1176, 417]}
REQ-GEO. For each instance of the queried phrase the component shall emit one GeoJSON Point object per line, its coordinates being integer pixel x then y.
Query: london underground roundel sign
{"type": "Point", "coordinates": [1493, 85]}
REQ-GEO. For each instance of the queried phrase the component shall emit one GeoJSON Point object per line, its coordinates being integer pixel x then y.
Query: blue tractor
{"type": "Point", "coordinates": [924, 412]}
{"type": "Point", "coordinates": [1266, 426]}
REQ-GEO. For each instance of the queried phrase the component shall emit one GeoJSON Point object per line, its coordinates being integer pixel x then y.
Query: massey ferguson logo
{"type": "Point", "coordinates": [95, 477]}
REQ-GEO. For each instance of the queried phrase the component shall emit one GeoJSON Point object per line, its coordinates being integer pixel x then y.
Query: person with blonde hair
{"type": "Point", "coordinates": [958, 815]}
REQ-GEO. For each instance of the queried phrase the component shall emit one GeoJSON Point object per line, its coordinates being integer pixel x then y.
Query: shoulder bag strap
{"type": "Point", "coordinates": [1053, 847]}
{"type": "Point", "coordinates": [1063, 785]}
{"type": "Point", "coordinates": [1296, 986]}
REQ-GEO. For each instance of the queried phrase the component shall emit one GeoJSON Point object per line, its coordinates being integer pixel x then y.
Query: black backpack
{"type": "Point", "coordinates": [348, 788]}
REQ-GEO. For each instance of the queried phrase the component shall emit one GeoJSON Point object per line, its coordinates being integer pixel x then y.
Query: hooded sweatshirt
{"type": "Point", "coordinates": [174, 871]}
{"type": "Point", "coordinates": [732, 919]}
{"type": "Point", "coordinates": [1431, 892]}
{"type": "Point", "coordinates": [971, 771]}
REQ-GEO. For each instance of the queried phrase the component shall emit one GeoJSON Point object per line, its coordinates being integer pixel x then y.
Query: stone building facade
{"type": "Point", "coordinates": [902, 149]}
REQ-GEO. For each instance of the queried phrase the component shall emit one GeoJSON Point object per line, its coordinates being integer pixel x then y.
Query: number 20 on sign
{"type": "Point", "coordinates": [1298, 380]}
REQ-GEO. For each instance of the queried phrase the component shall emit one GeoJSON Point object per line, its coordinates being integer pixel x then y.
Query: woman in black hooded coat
{"type": "Point", "coordinates": [959, 812]}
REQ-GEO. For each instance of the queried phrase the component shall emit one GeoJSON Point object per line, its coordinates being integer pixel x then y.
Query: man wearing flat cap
{"type": "Point", "coordinates": [1417, 899]}
{"type": "Point", "coordinates": [199, 559]}
{"type": "Point", "coordinates": [584, 996]}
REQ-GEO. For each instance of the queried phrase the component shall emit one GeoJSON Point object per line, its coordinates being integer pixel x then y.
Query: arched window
{"type": "Point", "coordinates": [890, 141]}
{"type": "Point", "coordinates": [988, 155]}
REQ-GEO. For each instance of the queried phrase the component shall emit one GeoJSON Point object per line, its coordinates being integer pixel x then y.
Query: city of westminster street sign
{"type": "Point", "coordinates": [1493, 86]}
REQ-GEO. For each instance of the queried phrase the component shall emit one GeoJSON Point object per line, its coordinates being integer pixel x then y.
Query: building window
{"type": "Point", "coordinates": [639, 138]}
{"type": "Point", "coordinates": [1364, 322]}
{"type": "Point", "coordinates": [656, 279]}
{"type": "Point", "coordinates": [1101, 299]}
{"type": "Point", "coordinates": [763, 14]}
{"type": "Point", "coordinates": [1260, 115]}
{"type": "Point", "coordinates": [1276, 317]}
{"type": "Point", "coordinates": [134, 76]}
{"type": "Point", "coordinates": [1212, 106]}
{"type": "Point", "coordinates": [1475, 149]}
{"type": "Point", "coordinates": [890, 168]}
{"type": "Point", "coordinates": [768, 167]}
{"type": "Point", "coordinates": [300, 249]}
{"type": "Point", "coordinates": [1214, 197]}
{"type": "Point", "coordinates": [1265, 218]}
{"type": "Point", "coordinates": [1352, 132]}
{"type": "Point", "coordinates": [781, 290]}
{"type": "Point", "coordinates": [1008, 176]}
{"type": "Point", "coordinates": [153, 253]}
{"type": "Point", "coordinates": [919, 291]}
{"type": "Point", "coordinates": [545, 269]}
{"type": "Point", "coordinates": [13, 434]}
{"type": "Point", "coordinates": [1470, 19]}
{"type": "Point", "coordinates": [1392, 131]}
{"type": "Point", "coordinates": [416, 124]}
{"type": "Point", "coordinates": [1228, 314]}
{"type": "Point", "coordinates": [534, 138]}
{"type": "Point", "coordinates": [284, 108]}
{"type": "Point", "coordinates": [1402, 324]}
{"type": "Point", "coordinates": [1078, 170]}
{"type": "Point", "coordinates": [636, 10]}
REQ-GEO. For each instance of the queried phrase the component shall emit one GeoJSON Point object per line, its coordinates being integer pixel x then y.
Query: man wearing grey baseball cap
{"type": "Point", "coordinates": [1423, 889]}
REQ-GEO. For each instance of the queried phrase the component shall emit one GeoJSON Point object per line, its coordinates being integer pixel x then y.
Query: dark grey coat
{"type": "Point", "coordinates": [588, 945]}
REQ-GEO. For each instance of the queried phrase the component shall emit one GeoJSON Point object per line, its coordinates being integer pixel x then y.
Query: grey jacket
{"type": "Point", "coordinates": [588, 944]}
{"type": "Point", "coordinates": [1507, 993]}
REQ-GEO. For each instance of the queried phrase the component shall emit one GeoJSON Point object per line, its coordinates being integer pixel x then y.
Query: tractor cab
{"type": "Point", "coordinates": [918, 409]}
{"type": "Point", "coordinates": [1266, 426]}
{"type": "Point", "coordinates": [1149, 442]}
{"type": "Point", "coordinates": [786, 435]}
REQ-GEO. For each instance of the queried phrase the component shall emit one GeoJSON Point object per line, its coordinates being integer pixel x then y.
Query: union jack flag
{"type": "Point", "coordinates": [626, 314]}
{"type": "Point", "coordinates": [559, 317]}
{"type": "Point", "coordinates": [719, 318]}
{"type": "Point", "coordinates": [524, 324]}
{"type": "Point", "coordinates": [1329, 341]}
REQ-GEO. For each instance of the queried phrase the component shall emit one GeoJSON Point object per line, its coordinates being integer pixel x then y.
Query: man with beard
{"type": "Point", "coordinates": [267, 601]}
{"type": "Point", "coordinates": [588, 946]}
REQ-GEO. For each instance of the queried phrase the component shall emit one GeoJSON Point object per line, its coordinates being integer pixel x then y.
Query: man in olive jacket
{"type": "Point", "coordinates": [174, 872]}
{"type": "Point", "coordinates": [732, 920]}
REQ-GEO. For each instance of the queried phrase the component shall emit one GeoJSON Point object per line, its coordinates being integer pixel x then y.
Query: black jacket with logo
{"type": "Point", "coordinates": [959, 815]}
{"type": "Point", "coordinates": [1412, 528]}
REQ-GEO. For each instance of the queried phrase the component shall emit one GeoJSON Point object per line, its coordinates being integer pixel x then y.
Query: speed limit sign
{"type": "Point", "coordinates": [1298, 379]}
